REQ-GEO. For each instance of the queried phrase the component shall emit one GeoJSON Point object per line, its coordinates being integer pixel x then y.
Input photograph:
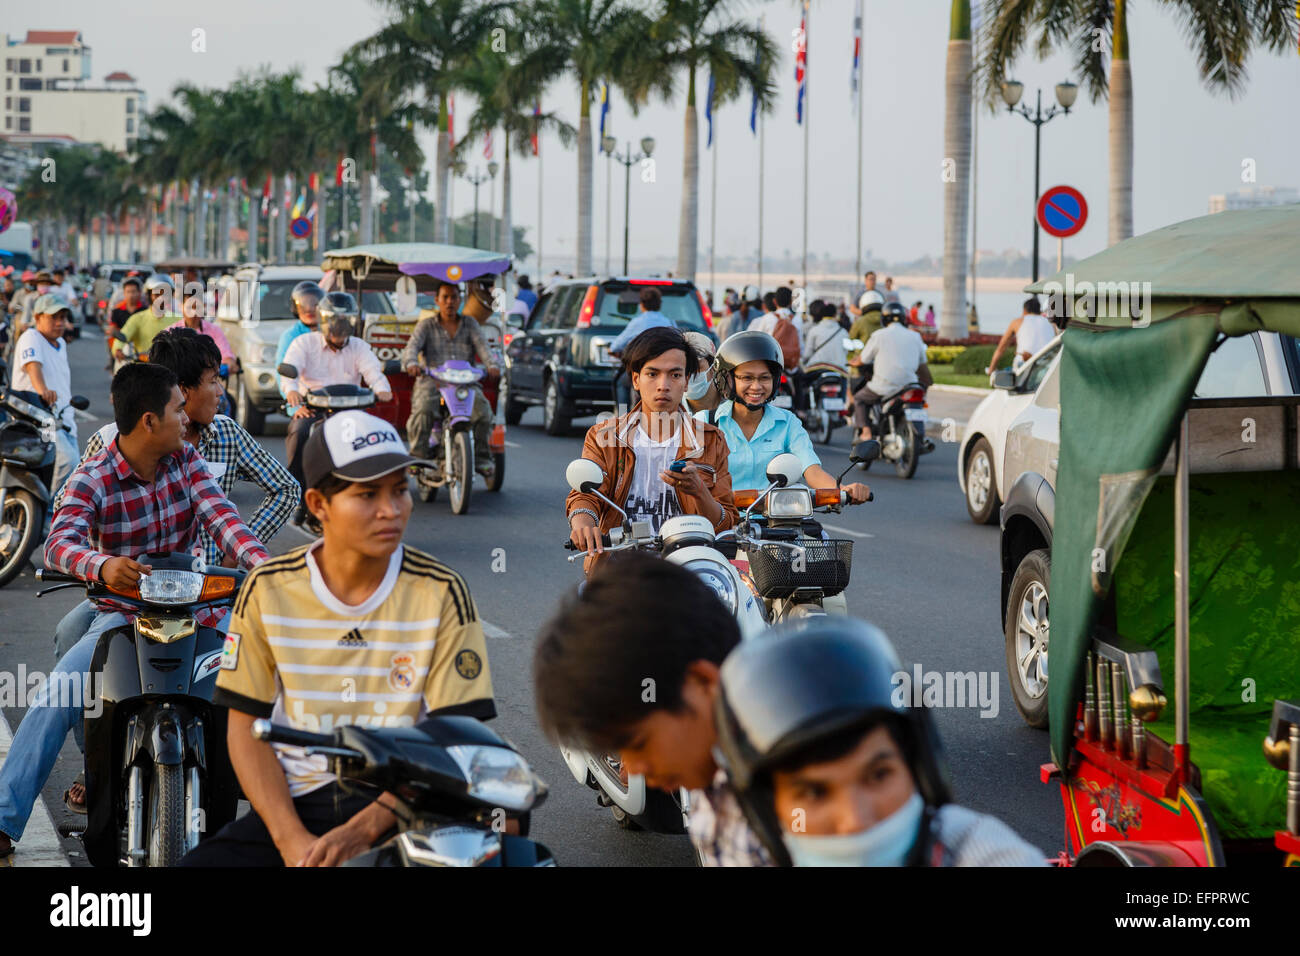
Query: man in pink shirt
{"type": "Point", "coordinates": [192, 313]}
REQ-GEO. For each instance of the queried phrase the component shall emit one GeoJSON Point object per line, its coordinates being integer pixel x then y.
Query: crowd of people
{"type": "Point", "coordinates": [841, 775]}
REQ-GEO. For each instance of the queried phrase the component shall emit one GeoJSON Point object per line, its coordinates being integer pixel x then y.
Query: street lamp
{"type": "Point", "coordinates": [628, 160]}
{"type": "Point", "coordinates": [477, 179]}
{"type": "Point", "coordinates": [1066, 93]}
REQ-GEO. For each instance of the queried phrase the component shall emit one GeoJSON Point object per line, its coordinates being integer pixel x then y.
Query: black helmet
{"type": "Point", "coordinates": [893, 312]}
{"type": "Point", "coordinates": [303, 290]}
{"type": "Point", "coordinates": [339, 304]}
{"type": "Point", "coordinates": [800, 684]}
{"type": "Point", "coordinates": [752, 346]}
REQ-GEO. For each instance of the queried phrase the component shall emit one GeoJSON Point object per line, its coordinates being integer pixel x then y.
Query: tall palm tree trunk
{"type": "Point", "coordinates": [688, 227]}
{"type": "Point", "coordinates": [443, 172]}
{"type": "Point", "coordinates": [201, 242]}
{"type": "Point", "coordinates": [367, 210]}
{"type": "Point", "coordinates": [584, 266]}
{"type": "Point", "coordinates": [1121, 131]}
{"type": "Point", "coordinates": [956, 188]}
{"type": "Point", "coordinates": [253, 201]}
{"type": "Point", "coordinates": [117, 235]}
{"type": "Point", "coordinates": [508, 246]}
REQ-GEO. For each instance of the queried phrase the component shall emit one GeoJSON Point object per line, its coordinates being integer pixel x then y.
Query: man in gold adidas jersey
{"type": "Point", "coordinates": [356, 628]}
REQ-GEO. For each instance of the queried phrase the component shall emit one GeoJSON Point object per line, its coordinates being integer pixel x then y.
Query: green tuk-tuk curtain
{"type": "Point", "coordinates": [1122, 396]}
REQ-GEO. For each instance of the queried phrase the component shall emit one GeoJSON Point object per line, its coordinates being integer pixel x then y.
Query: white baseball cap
{"type": "Point", "coordinates": [354, 446]}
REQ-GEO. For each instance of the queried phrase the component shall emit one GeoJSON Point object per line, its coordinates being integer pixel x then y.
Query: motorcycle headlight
{"type": "Point", "coordinates": [789, 503]}
{"type": "Point", "coordinates": [171, 587]}
{"type": "Point", "coordinates": [496, 775]}
{"type": "Point", "coordinates": [717, 579]}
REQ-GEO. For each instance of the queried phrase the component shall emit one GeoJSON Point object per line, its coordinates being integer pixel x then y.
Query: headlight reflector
{"type": "Point", "coordinates": [789, 503]}
{"type": "Point", "coordinates": [717, 579]}
{"type": "Point", "coordinates": [171, 587]}
{"type": "Point", "coordinates": [496, 775]}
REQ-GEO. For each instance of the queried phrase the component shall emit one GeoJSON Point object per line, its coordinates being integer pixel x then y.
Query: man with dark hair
{"type": "Point", "coordinates": [649, 317]}
{"type": "Point", "coordinates": [1033, 333]}
{"type": "Point", "coordinates": [146, 492]}
{"type": "Point", "coordinates": [411, 640]}
{"type": "Point", "coordinates": [636, 450]}
{"type": "Point", "coordinates": [641, 618]}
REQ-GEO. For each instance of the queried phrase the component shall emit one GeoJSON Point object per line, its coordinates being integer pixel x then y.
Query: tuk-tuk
{"type": "Point", "coordinates": [404, 270]}
{"type": "Point", "coordinates": [1175, 588]}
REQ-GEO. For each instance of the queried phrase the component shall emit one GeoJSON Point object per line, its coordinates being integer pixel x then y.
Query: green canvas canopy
{"type": "Point", "coordinates": [1127, 375]}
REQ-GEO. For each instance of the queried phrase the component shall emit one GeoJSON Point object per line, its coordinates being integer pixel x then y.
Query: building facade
{"type": "Point", "coordinates": [1253, 197]}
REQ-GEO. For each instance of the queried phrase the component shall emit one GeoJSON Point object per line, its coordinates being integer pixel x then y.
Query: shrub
{"type": "Point", "coordinates": [943, 354]}
{"type": "Point", "coordinates": [975, 359]}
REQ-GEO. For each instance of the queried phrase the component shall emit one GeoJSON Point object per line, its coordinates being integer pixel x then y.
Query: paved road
{"type": "Point", "coordinates": [922, 572]}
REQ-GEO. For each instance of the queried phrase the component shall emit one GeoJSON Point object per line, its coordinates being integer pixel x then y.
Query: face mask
{"type": "Point", "coordinates": [885, 844]}
{"type": "Point", "coordinates": [698, 386]}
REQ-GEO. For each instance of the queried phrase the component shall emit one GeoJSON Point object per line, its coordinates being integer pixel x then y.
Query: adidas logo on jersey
{"type": "Point", "coordinates": [352, 638]}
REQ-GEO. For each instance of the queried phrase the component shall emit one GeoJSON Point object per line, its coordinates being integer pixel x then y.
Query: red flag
{"type": "Point", "coordinates": [451, 120]}
{"type": "Point", "coordinates": [374, 140]}
{"type": "Point", "coordinates": [266, 190]}
{"type": "Point", "coordinates": [537, 111]}
{"type": "Point", "coordinates": [338, 173]}
{"type": "Point", "coordinates": [313, 182]}
{"type": "Point", "coordinates": [487, 145]}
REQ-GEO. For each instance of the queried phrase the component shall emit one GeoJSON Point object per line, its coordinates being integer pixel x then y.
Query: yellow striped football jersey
{"type": "Point", "coordinates": [299, 655]}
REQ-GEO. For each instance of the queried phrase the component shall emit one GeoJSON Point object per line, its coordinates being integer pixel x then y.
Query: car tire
{"type": "Point", "coordinates": [247, 413]}
{"type": "Point", "coordinates": [982, 502]}
{"type": "Point", "coordinates": [556, 416]}
{"type": "Point", "coordinates": [514, 410]}
{"type": "Point", "coordinates": [1026, 634]}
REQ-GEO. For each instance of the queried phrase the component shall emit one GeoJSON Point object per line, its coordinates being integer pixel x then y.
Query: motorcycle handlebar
{"type": "Point", "coordinates": [271, 733]}
{"type": "Point", "coordinates": [45, 575]}
{"type": "Point", "coordinates": [604, 540]}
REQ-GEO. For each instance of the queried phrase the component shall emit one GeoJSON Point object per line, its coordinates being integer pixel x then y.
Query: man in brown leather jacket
{"type": "Point", "coordinates": [636, 451]}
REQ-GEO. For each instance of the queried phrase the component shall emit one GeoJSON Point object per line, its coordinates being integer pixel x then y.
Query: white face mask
{"type": "Point", "coordinates": [885, 844]}
{"type": "Point", "coordinates": [698, 386]}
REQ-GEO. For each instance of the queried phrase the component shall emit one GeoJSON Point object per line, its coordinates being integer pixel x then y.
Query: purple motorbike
{"type": "Point", "coordinates": [452, 438]}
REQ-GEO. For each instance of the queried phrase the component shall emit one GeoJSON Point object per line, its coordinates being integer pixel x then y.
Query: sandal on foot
{"type": "Point", "coordinates": [76, 806]}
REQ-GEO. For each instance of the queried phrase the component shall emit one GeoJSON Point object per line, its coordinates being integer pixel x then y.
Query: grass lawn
{"type": "Point", "coordinates": [944, 375]}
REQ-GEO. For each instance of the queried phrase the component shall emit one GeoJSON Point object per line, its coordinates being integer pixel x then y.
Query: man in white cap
{"type": "Point", "coordinates": [41, 366]}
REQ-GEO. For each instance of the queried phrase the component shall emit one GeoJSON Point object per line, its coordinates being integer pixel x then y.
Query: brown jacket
{"type": "Point", "coordinates": [787, 336]}
{"type": "Point", "coordinates": [608, 443]}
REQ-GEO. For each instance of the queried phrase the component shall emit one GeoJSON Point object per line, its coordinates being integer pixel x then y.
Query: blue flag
{"type": "Point", "coordinates": [604, 107]}
{"type": "Point", "coordinates": [708, 110]}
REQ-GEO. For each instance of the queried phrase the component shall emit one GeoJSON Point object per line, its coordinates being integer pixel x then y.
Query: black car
{"type": "Point", "coordinates": [559, 358]}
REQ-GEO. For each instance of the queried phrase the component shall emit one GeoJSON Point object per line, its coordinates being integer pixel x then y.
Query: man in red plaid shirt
{"type": "Point", "coordinates": [112, 515]}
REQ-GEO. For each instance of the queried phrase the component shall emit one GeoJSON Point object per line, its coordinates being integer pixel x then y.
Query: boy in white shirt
{"type": "Point", "coordinates": [41, 366]}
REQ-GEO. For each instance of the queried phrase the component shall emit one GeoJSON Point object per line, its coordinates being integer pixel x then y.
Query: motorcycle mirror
{"type": "Point", "coordinates": [868, 450]}
{"type": "Point", "coordinates": [784, 470]}
{"type": "Point", "coordinates": [585, 476]}
{"type": "Point", "coordinates": [287, 370]}
{"type": "Point", "coordinates": [392, 367]}
{"type": "Point", "coordinates": [80, 402]}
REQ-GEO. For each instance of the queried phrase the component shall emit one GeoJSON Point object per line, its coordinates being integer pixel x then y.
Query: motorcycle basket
{"type": "Point", "coordinates": [826, 566]}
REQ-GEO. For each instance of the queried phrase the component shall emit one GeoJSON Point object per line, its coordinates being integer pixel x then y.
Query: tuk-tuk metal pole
{"type": "Point", "coordinates": [1181, 643]}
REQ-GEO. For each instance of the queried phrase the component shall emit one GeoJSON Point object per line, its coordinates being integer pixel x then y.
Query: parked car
{"type": "Point", "coordinates": [1260, 364]}
{"type": "Point", "coordinates": [559, 357]}
{"type": "Point", "coordinates": [979, 457]}
{"type": "Point", "coordinates": [106, 289]}
{"type": "Point", "coordinates": [254, 310]}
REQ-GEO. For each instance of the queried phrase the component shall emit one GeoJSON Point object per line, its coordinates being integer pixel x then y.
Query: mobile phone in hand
{"type": "Point", "coordinates": [678, 466]}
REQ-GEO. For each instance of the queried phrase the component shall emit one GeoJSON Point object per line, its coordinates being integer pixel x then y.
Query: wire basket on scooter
{"type": "Point", "coordinates": [825, 566]}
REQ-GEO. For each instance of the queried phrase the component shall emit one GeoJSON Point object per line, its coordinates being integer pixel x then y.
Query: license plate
{"type": "Point", "coordinates": [783, 401]}
{"type": "Point", "coordinates": [915, 414]}
{"type": "Point", "coordinates": [833, 404]}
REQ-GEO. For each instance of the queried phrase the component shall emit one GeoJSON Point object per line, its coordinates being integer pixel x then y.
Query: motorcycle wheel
{"type": "Point", "coordinates": [498, 471]}
{"type": "Point", "coordinates": [20, 527]}
{"type": "Point", "coordinates": [906, 464]}
{"type": "Point", "coordinates": [826, 426]}
{"type": "Point", "coordinates": [428, 492]}
{"type": "Point", "coordinates": [461, 480]}
{"type": "Point", "coordinates": [167, 815]}
{"type": "Point", "coordinates": [662, 813]}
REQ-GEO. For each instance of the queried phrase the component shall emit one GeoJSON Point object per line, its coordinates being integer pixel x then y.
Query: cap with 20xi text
{"type": "Point", "coordinates": [354, 446]}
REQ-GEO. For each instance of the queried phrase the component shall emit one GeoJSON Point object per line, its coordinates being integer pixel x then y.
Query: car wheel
{"type": "Point", "coordinates": [555, 415]}
{"type": "Point", "coordinates": [1026, 633]}
{"type": "Point", "coordinates": [247, 413]}
{"type": "Point", "coordinates": [514, 410]}
{"type": "Point", "coordinates": [982, 500]}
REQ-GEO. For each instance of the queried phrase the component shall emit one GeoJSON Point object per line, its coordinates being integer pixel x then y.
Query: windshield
{"type": "Point", "coordinates": [275, 300]}
{"type": "Point", "coordinates": [619, 305]}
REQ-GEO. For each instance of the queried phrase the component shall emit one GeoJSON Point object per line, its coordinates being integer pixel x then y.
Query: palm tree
{"type": "Point", "coordinates": [421, 51]}
{"type": "Point", "coordinates": [694, 35]}
{"type": "Point", "coordinates": [589, 41]}
{"type": "Point", "coordinates": [956, 180]}
{"type": "Point", "coordinates": [504, 102]}
{"type": "Point", "coordinates": [1222, 34]}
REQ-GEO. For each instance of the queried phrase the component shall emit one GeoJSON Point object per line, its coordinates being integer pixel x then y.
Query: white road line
{"type": "Point", "coordinates": [856, 534]}
{"type": "Point", "coordinates": [83, 416]}
{"type": "Point", "coordinates": [40, 844]}
{"type": "Point", "coordinates": [491, 630]}
{"type": "Point", "coordinates": [513, 444]}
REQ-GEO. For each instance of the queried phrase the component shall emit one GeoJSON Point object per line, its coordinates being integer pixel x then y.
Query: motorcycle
{"type": "Point", "coordinates": [27, 457]}
{"type": "Point", "coordinates": [791, 566]}
{"type": "Point", "coordinates": [690, 541]}
{"type": "Point", "coordinates": [898, 420]}
{"type": "Point", "coordinates": [452, 438]}
{"type": "Point", "coordinates": [157, 771]}
{"type": "Point", "coordinates": [822, 403]}
{"type": "Point", "coordinates": [329, 399]}
{"type": "Point", "coordinates": [456, 781]}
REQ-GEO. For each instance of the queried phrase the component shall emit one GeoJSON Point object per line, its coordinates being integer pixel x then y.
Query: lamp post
{"type": "Point", "coordinates": [476, 179]}
{"type": "Point", "coordinates": [628, 160]}
{"type": "Point", "coordinates": [1066, 93]}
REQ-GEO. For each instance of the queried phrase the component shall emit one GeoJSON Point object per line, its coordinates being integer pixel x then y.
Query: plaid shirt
{"type": "Point", "coordinates": [719, 831]}
{"type": "Point", "coordinates": [430, 343]}
{"type": "Point", "coordinates": [231, 455]}
{"type": "Point", "coordinates": [109, 511]}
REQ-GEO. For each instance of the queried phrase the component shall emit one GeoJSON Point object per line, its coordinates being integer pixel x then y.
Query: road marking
{"type": "Point", "coordinates": [83, 416]}
{"type": "Point", "coordinates": [856, 534]}
{"type": "Point", "coordinates": [511, 444]}
{"type": "Point", "coordinates": [40, 844]}
{"type": "Point", "coordinates": [491, 630]}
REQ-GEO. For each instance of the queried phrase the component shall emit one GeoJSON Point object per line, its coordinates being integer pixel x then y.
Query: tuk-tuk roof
{"type": "Point", "coordinates": [443, 262]}
{"type": "Point", "coordinates": [1235, 254]}
{"type": "Point", "coordinates": [193, 262]}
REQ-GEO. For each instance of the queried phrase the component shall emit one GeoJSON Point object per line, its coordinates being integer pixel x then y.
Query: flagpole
{"type": "Point", "coordinates": [540, 193]}
{"type": "Point", "coordinates": [762, 141]}
{"type": "Point", "coordinates": [713, 224]}
{"type": "Point", "coordinates": [607, 206]}
{"type": "Point", "coordinates": [857, 257]}
{"type": "Point", "coordinates": [975, 172]}
{"type": "Point", "coordinates": [807, 19]}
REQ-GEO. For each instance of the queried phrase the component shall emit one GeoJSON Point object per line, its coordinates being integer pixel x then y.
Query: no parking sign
{"type": "Point", "coordinates": [1062, 211]}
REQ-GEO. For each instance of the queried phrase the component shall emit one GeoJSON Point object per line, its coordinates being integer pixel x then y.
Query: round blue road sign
{"type": "Point", "coordinates": [301, 227]}
{"type": "Point", "coordinates": [1062, 211]}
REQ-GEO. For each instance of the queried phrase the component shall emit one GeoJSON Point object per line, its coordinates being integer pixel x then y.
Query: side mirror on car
{"type": "Point", "coordinates": [1004, 378]}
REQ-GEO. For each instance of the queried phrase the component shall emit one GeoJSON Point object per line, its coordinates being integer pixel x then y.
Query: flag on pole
{"type": "Point", "coordinates": [338, 173]}
{"type": "Point", "coordinates": [537, 112]}
{"type": "Point", "coordinates": [753, 104]}
{"type": "Point", "coordinates": [708, 110]}
{"type": "Point", "coordinates": [801, 64]}
{"type": "Point", "coordinates": [604, 108]}
{"type": "Point", "coordinates": [300, 203]}
{"type": "Point", "coordinates": [487, 145]}
{"type": "Point", "coordinates": [451, 120]}
{"type": "Point", "coordinates": [266, 193]}
{"type": "Point", "coordinates": [855, 78]}
{"type": "Point", "coordinates": [313, 183]}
